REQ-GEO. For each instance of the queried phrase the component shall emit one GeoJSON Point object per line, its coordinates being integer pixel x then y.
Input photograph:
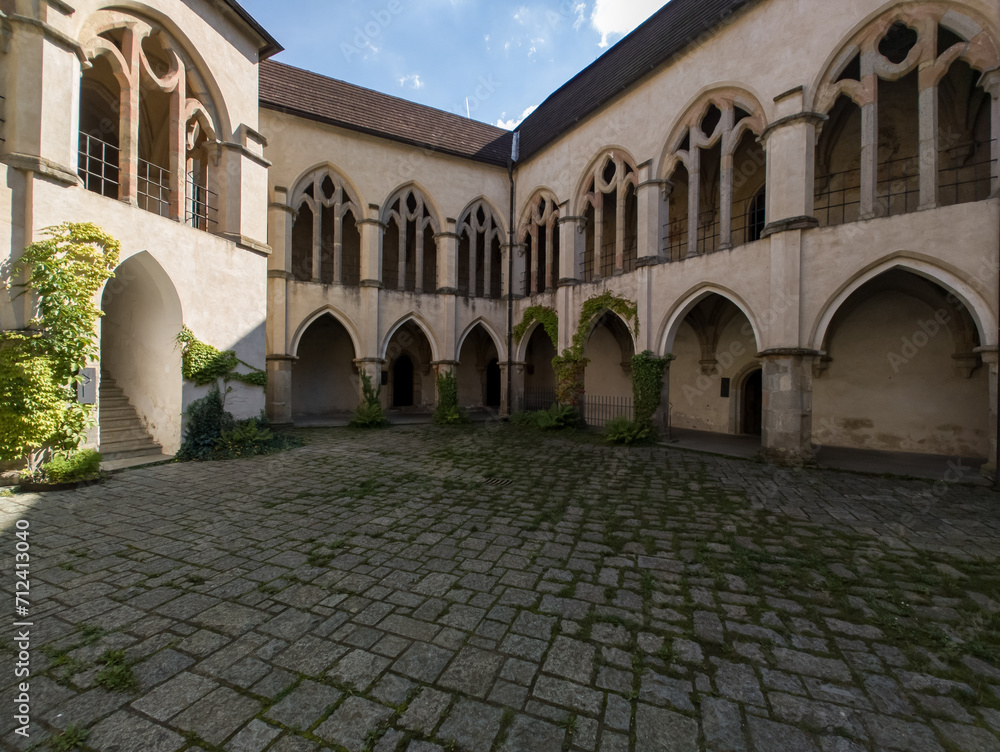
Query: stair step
{"type": "Point", "coordinates": [128, 445]}
{"type": "Point", "coordinates": [118, 413]}
{"type": "Point", "coordinates": [131, 433]}
{"type": "Point", "coordinates": [110, 456]}
{"type": "Point", "coordinates": [123, 435]}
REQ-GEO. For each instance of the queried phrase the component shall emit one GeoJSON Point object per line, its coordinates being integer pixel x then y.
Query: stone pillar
{"type": "Point", "coordinates": [928, 109]}
{"type": "Point", "coordinates": [178, 149]}
{"type": "Point", "coordinates": [372, 367]}
{"type": "Point", "coordinates": [371, 230]}
{"type": "Point", "coordinates": [442, 367]}
{"type": "Point", "coordinates": [869, 136]}
{"type": "Point", "coordinates": [652, 198]}
{"type": "Point", "coordinates": [508, 403]}
{"type": "Point", "coordinates": [279, 264]}
{"type": "Point", "coordinates": [241, 181]}
{"type": "Point", "coordinates": [513, 286]}
{"type": "Point", "coordinates": [279, 389]}
{"type": "Point", "coordinates": [447, 259]}
{"type": "Point", "coordinates": [572, 247]}
{"type": "Point", "coordinates": [787, 424]}
{"type": "Point", "coordinates": [661, 418]}
{"type": "Point", "coordinates": [694, 197]}
{"type": "Point", "coordinates": [990, 359]}
{"type": "Point", "coordinates": [991, 84]}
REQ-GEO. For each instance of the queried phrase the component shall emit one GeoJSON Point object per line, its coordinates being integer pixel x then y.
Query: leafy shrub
{"type": "Point", "coordinates": [647, 385]}
{"type": "Point", "coordinates": [245, 439]}
{"type": "Point", "coordinates": [448, 412]}
{"type": "Point", "coordinates": [558, 418]}
{"type": "Point", "coordinates": [78, 466]}
{"type": "Point", "coordinates": [206, 420]}
{"type": "Point", "coordinates": [621, 430]}
{"type": "Point", "coordinates": [369, 414]}
{"type": "Point", "coordinates": [524, 418]}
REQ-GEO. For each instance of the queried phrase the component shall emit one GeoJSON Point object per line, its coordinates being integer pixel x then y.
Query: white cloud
{"type": "Point", "coordinates": [514, 122]}
{"type": "Point", "coordinates": [580, 9]}
{"type": "Point", "coordinates": [621, 16]}
{"type": "Point", "coordinates": [413, 81]}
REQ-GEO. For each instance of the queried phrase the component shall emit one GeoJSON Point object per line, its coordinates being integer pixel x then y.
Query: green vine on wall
{"type": "Point", "coordinates": [40, 367]}
{"type": "Point", "coordinates": [545, 316]}
{"type": "Point", "coordinates": [203, 364]}
{"type": "Point", "coordinates": [571, 365]}
{"type": "Point", "coordinates": [647, 385]}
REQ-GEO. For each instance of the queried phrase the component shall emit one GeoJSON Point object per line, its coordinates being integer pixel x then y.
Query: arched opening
{"type": "Point", "coordinates": [749, 205]}
{"type": "Point", "coordinates": [539, 376]}
{"type": "Point", "coordinates": [608, 376]}
{"type": "Point", "coordinates": [677, 230]}
{"type": "Point", "coordinates": [898, 186]}
{"type": "Point", "coordinates": [302, 244]}
{"type": "Point", "coordinates": [477, 357]}
{"type": "Point", "coordinates": [99, 155]}
{"type": "Point", "coordinates": [141, 388]}
{"type": "Point", "coordinates": [901, 372]}
{"type": "Point", "coordinates": [325, 381]}
{"type": "Point", "coordinates": [752, 409]}
{"type": "Point", "coordinates": [409, 372]}
{"type": "Point", "coordinates": [325, 230]}
{"type": "Point", "coordinates": [539, 232]}
{"type": "Point", "coordinates": [402, 381]}
{"type": "Point", "coordinates": [712, 376]}
{"type": "Point", "coordinates": [611, 213]}
{"type": "Point", "coordinates": [479, 255]}
{"type": "Point", "coordinates": [837, 196]}
{"type": "Point", "coordinates": [409, 256]}
{"type": "Point", "coordinates": [494, 388]}
{"type": "Point", "coordinates": [153, 179]}
{"type": "Point", "coordinates": [965, 167]}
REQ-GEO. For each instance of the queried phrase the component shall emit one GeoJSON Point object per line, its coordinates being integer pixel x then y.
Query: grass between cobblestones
{"type": "Point", "coordinates": [608, 597]}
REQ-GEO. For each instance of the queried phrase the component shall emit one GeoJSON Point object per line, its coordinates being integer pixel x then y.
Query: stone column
{"type": "Point", "coordinates": [928, 109]}
{"type": "Point", "coordinates": [694, 198]}
{"type": "Point", "coordinates": [787, 424]}
{"type": "Point", "coordinates": [279, 389]}
{"type": "Point", "coordinates": [447, 259]}
{"type": "Point", "coordinates": [991, 84]}
{"type": "Point", "coordinates": [513, 286]}
{"type": "Point", "coordinates": [372, 367]}
{"type": "Point", "coordinates": [661, 418]}
{"type": "Point", "coordinates": [371, 230]}
{"type": "Point", "coordinates": [508, 403]}
{"type": "Point", "coordinates": [572, 247]}
{"type": "Point", "coordinates": [652, 198]}
{"type": "Point", "coordinates": [869, 136]}
{"type": "Point", "coordinates": [442, 367]}
{"type": "Point", "coordinates": [990, 359]}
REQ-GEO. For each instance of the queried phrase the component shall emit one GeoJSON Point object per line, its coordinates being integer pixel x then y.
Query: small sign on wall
{"type": "Point", "coordinates": [86, 389]}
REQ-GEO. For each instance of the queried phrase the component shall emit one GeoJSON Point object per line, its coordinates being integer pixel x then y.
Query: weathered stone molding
{"type": "Point", "coordinates": [53, 35]}
{"type": "Point", "coordinates": [247, 244]}
{"type": "Point", "coordinates": [809, 117]}
{"type": "Point", "coordinates": [42, 166]}
{"type": "Point", "coordinates": [792, 223]}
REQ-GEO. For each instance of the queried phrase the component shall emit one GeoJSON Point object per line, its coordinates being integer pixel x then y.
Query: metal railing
{"type": "Point", "coordinates": [98, 165]}
{"type": "Point", "coordinates": [966, 173]}
{"type": "Point", "coordinates": [201, 207]}
{"type": "Point", "coordinates": [598, 410]}
{"type": "Point", "coordinates": [153, 188]}
{"type": "Point", "coordinates": [526, 400]}
{"type": "Point", "coordinates": [3, 119]}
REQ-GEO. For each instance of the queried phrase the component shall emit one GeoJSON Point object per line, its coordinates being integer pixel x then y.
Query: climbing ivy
{"type": "Point", "coordinates": [447, 411]}
{"type": "Point", "coordinates": [545, 316]}
{"type": "Point", "coordinates": [570, 366]}
{"type": "Point", "coordinates": [647, 386]}
{"type": "Point", "coordinates": [203, 364]}
{"type": "Point", "coordinates": [40, 366]}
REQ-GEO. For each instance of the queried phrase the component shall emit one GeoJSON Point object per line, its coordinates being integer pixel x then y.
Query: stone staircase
{"type": "Point", "coordinates": [122, 432]}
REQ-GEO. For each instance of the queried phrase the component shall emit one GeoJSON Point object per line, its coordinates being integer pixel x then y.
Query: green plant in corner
{"type": "Point", "coordinates": [202, 364]}
{"type": "Point", "coordinates": [75, 467]}
{"type": "Point", "coordinates": [370, 413]}
{"type": "Point", "coordinates": [447, 412]}
{"type": "Point", "coordinates": [40, 366]}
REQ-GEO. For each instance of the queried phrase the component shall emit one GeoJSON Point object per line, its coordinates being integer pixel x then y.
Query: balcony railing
{"type": "Point", "coordinates": [201, 208]}
{"type": "Point", "coordinates": [153, 188]}
{"type": "Point", "coordinates": [965, 174]}
{"type": "Point", "coordinates": [746, 226]}
{"type": "Point", "coordinates": [97, 165]}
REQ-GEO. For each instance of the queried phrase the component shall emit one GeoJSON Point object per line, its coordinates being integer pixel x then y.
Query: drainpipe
{"type": "Point", "coordinates": [514, 153]}
{"type": "Point", "coordinates": [996, 458]}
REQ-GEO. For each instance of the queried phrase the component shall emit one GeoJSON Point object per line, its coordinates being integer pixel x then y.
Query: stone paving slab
{"type": "Point", "coordinates": [368, 592]}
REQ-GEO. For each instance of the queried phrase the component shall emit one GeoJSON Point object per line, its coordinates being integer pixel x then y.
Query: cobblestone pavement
{"type": "Point", "coordinates": [494, 588]}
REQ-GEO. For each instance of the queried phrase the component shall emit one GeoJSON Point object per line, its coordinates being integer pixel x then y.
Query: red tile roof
{"type": "Point", "coordinates": [327, 100]}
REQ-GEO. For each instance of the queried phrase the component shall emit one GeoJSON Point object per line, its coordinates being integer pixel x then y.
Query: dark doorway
{"type": "Point", "coordinates": [753, 403]}
{"type": "Point", "coordinates": [402, 382]}
{"type": "Point", "coordinates": [493, 383]}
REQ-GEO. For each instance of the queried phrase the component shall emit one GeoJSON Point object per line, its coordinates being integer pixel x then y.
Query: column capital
{"type": "Point", "coordinates": [811, 118]}
{"type": "Point", "coordinates": [990, 81]}
{"type": "Point", "coordinates": [790, 352]}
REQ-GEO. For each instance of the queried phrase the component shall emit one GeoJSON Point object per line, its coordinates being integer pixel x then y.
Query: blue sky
{"type": "Point", "coordinates": [491, 60]}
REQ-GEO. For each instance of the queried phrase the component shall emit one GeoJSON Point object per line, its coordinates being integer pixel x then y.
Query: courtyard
{"type": "Point", "coordinates": [496, 588]}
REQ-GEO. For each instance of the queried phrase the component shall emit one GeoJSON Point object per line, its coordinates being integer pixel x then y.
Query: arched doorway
{"type": "Point", "coordinates": [493, 384]}
{"type": "Point", "coordinates": [902, 372]}
{"type": "Point", "coordinates": [753, 404]}
{"type": "Point", "coordinates": [402, 382]}
{"type": "Point", "coordinates": [141, 391]}
{"type": "Point", "coordinates": [608, 376]}
{"type": "Point", "coordinates": [475, 358]}
{"type": "Point", "coordinates": [715, 379]}
{"type": "Point", "coordinates": [539, 376]}
{"type": "Point", "coordinates": [409, 375]}
{"type": "Point", "coordinates": [325, 381]}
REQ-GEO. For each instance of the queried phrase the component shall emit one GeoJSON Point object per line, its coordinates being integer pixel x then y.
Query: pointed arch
{"type": "Point", "coordinates": [612, 151]}
{"type": "Point", "coordinates": [421, 324]}
{"type": "Point", "coordinates": [428, 201]}
{"type": "Point", "coordinates": [338, 315]}
{"type": "Point", "coordinates": [952, 280]}
{"type": "Point", "coordinates": [490, 331]}
{"type": "Point", "coordinates": [307, 176]}
{"type": "Point", "coordinates": [675, 317]}
{"type": "Point", "coordinates": [498, 216]}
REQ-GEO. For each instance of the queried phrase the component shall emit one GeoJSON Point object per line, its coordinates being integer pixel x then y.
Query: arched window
{"type": "Point", "coordinates": [326, 243]}
{"type": "Point", "coordinates": [612, 214]}
{"type": "Point", "coordinates": [539, 234]}
{"type": "Point", "coordinates": [718, 173]}
{"type": "Point", "coordinates": [479, 252]}
{"type": "Point", "coordinates": [129, 145]}
{"type": "Point", "coordinates": [915, 79]}
{"type": "Point", "coordinates": [409, 248]}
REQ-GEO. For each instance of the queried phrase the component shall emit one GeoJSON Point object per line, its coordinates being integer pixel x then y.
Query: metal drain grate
{"type": "Point", "coordinates": [498, 482]}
